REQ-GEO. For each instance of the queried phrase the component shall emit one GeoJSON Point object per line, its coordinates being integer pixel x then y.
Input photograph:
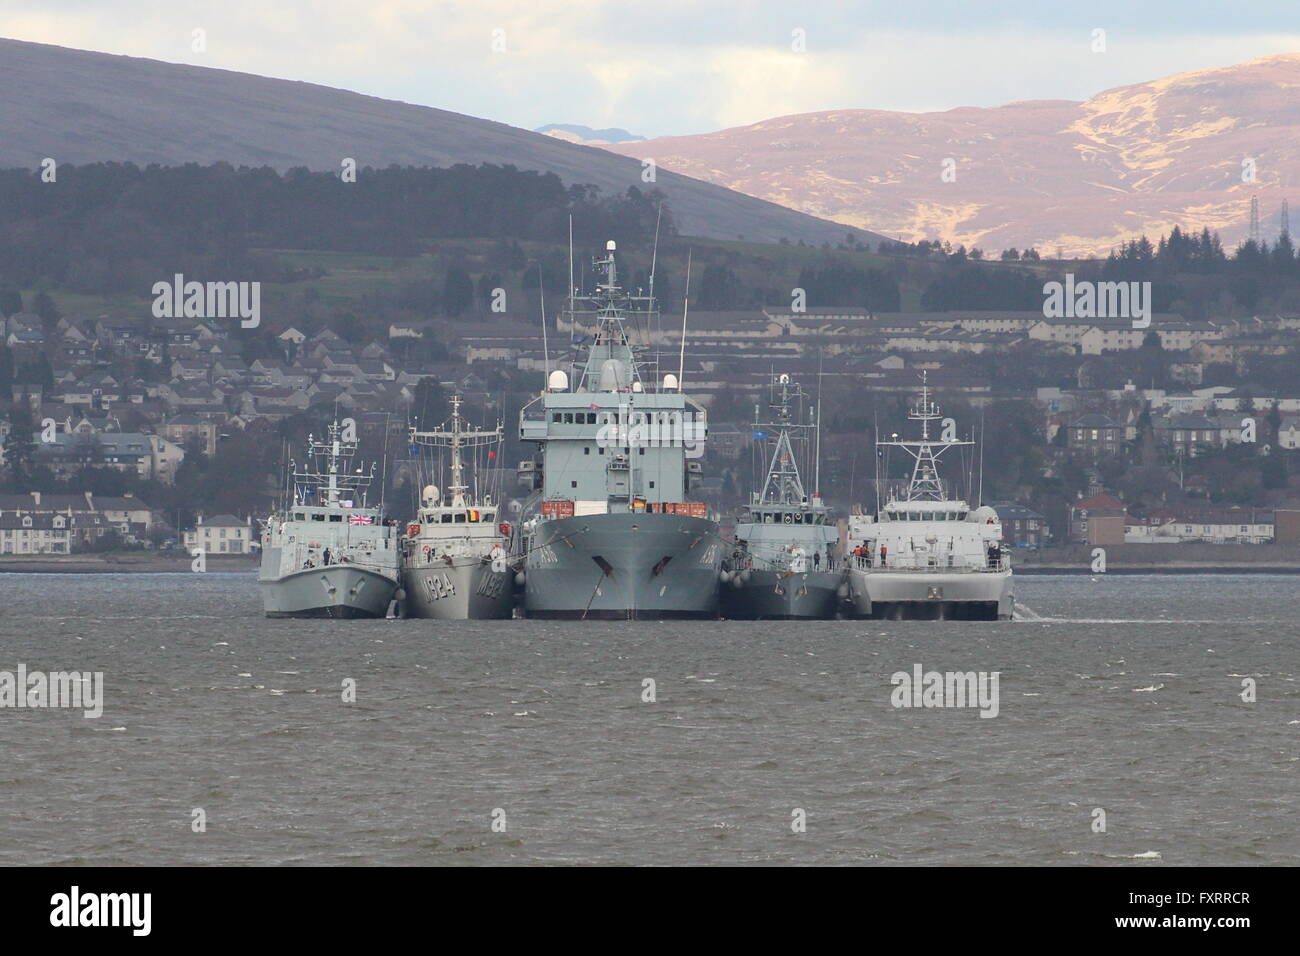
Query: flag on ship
{"type": "Point", "coordinates": [360, 519]}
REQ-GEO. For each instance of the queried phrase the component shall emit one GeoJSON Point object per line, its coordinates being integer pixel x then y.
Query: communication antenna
{"type": "Point", "coordinates": [1286, 219]}
{"type": "Point", "coordinates": [1254, 220]}
{"type": "Point", "coordinates": [654, 255]}
{"type": "Point", "coordinates": [541, 297]}
{"type": "Point", "coordinates": [686, 305]}
{"type": "Point", "coordinates": [570, 255]}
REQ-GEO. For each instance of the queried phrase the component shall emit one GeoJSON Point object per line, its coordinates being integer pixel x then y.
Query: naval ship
{"type": "Point", "coordinates": [610, 530]}
{"type": "Point", "coordinates": [326, 553]}
{"type": "Point", "coordinates": [927, 555]}
{"type": "Point", "coordinates": [784, 565]}
{"type": "Point", "coordinates": [456, 563]}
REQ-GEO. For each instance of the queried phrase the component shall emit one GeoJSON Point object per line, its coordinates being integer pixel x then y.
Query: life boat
{"type": "Point", "coordinates": [504, 528]}
{"type": "Point", "coordinates": [413, 529]}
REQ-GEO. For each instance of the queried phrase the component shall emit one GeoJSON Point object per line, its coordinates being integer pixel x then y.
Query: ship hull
{"type": "Point", "coordinates": [336, 591]}
{"type": "Point", "coordinates": [774, 596]}
{"type": "Point", "coordinates": [926, 596]}
{"type": "Point", "coordinates": [624, 567]}
{"type": "Point", "coordinates": [458, 592]}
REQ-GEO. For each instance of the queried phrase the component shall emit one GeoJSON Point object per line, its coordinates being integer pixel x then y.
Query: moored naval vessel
{"type": "Point", "coordinates": [456, 563]}
{"type": "Point", "coordinates": [326, 553]}
{"type": "Point", "coordinates": [927, 555]}
{"type": "Point", "coordinates": [785, 564]}
{"type": "Point", "coordinates": [610, 531]}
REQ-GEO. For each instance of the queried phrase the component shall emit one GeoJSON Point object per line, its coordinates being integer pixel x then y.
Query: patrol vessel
{"type": "Point", "coordinates": [611, 530]}
{"type": "Point", "coordinates": [927, 555]}
{"type": "Point", "coordinates": [785, 564]}
{"type": "Point", "coordinates": [456, 563]}
{"type": "Point", "coordinates": [327, 553]}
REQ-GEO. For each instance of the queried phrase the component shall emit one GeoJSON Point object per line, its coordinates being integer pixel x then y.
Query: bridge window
{"type": "Point", "coordinates": [336, 517]}
{"type": "Point", "coordinates": [460, 519]}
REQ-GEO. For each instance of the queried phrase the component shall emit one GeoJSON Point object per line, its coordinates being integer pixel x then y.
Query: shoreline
{"type": "Point", "coordinates": [120, 564]}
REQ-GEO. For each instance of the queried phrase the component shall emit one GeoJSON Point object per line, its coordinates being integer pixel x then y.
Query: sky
{"type": "Point", "coordinates": [674, 67]}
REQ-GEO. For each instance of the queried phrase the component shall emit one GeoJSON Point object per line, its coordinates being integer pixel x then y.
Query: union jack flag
{"type": "Point", "coordinates": [360, 519]}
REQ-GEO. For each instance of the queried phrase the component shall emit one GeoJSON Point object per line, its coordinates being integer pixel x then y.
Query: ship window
{"type": "Point", "coordinates": [299, 516]}
{"type": "Point", "coordinates": [652, 484]}
{"type": "Point", "coordinates": [460, 519]}
{"type": "Point", "coordinates": [641, 451]}
{"type": "Point", "coordinates": [602, 451]}
{"type": "Point", "coordinates": [573, 484]}
{"type": "Point", "coordinates": [336, 517]}
{"type": "Point", "coordinates": [317, 517]}
{"type": "Point", "coordinates": [586, 449]}
{"type": "Point", "coordinates": [568, 418]}
{"type": "Point", "coordinates": [591, 418]}
{"type": "Point", "coordinates": [446, 519]}
{"type": "Point", "coordinates": [556, 417]}
{"type": "Point", "coordinates": [488, 516]}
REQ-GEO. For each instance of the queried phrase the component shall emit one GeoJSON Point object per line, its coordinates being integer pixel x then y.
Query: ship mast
{"type": "Point", "coordinates": [783, 485]}
{"type": "Point", "coordinates": [326, 470]}
{"type": "Point", "coordinates": [455, 438]}
{"type": "Point", "coordinates": [924, 484]}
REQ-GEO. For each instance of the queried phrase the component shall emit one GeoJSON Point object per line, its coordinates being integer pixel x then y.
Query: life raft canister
{"type": "Point", "coordinates": [504, 528]}
{"type": "Point", "coordinates": [412, 529]}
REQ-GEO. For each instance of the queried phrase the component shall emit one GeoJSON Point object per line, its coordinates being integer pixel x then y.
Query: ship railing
{"type": "Point", "coordinates": [866, 562]}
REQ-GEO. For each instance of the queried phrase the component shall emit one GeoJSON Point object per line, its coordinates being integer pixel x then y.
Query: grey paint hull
{"type": "Point", "coordinates": [770, 596]}
{"type": "Point", "coordinates": [624, 567]}
{"type": "Point", "coordinates": [336, 591]}
{"type": "Point", "coordinates": [462, 592]}
{"type": "Point", "coordinates": [925, 595]}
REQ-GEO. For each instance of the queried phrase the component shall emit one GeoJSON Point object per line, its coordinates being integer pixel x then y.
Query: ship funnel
{"type": "Point", "coordinates": [558, 382]}
{"type": "Point", "coordinates": [670, 381]}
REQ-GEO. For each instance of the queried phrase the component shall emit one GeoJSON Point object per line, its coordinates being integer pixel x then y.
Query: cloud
{"type": "Point", "coordinates": [672, 66]}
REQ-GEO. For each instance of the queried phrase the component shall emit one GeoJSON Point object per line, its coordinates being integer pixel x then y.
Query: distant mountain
{"type": "Point", "coordinates": [76, 106]}
{"type": "Point", "coordinates": [573, 133]}
{"type": "Point", "coordinates": [1081, 176]}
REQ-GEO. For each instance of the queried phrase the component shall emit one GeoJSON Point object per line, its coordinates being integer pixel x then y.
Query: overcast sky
{"type": "Point", "coordinates": [668, 67]}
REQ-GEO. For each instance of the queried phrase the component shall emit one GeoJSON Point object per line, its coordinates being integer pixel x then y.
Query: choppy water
{"type": "Point", "coordinates": [1120, 693]}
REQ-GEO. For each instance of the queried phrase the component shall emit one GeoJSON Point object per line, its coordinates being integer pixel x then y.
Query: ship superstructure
{"type": "Point", "coordinates": [456, 562]}
{"type": "Point", "coordinates": [613, 529]}
{"type": "Point", "coordinates": [927, 554]}
{"type": "Point", "coordinates": [785, 564]}
{"type": "Point", "coordinates": [327, 552]}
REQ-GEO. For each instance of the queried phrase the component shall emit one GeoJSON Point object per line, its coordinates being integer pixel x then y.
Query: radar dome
{"type": "Point", "coordinates": [558, 381]}
{"type": "Point", "coordinates": [983, 514]}
{"type": "Point", "coordinates": [613, 375]}
{"type": "Point", "coordinates": [430, 494]}
{"type": "Point", "coordinates": [670, 381]}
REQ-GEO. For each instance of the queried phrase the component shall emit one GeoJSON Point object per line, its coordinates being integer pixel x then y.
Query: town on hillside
{"type": "Point", "coordinates": [123, 431]}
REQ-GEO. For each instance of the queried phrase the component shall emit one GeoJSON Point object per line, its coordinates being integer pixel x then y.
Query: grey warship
{"type": "Point", "coordinates": [785, 564]}
{"type": "Point", "coordinates": [456, 563]}
{"type": "Point", "coordinates": [928, 555]}
{"type": "Point", "coordinates": [610, 530]}
{"type": "Point", "coordinates": [325, 553]}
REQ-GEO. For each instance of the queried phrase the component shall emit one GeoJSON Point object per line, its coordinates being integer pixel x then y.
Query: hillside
{"type": "Point", "coordinates": [83, 107]}
{"type": "Point", "coordinates": [1080, 176]}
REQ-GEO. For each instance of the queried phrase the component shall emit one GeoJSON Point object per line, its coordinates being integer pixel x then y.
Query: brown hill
{"type": "Point", "coordinates": [1081, 176]}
